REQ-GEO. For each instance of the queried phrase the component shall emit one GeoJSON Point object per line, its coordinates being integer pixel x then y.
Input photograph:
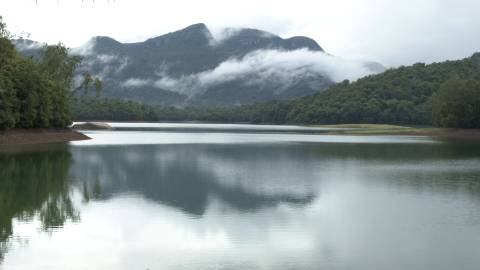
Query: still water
{"type": "Point", "coordinates": [150, 196]}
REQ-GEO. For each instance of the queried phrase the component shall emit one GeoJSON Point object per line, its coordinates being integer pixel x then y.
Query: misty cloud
{"type": "Point", "coordinates": [136, 82]}
{"type": "Point", "coordinates": [25, 45]}
{"type": "Point", "coordinates": [220, 35]}
{"type": "Point", "coordinates": [84, 50]}
{"type": "Point", "coordinates": [282, 68]}
{"type": "Point", "coordinates": [286, 66]}
{"type": "Point", "coordinates": [102, 65]}
{"type": "Point", "coordinates": [122, 64]}
{"type": "Point", "coordinates": [105, 58]}
{"type": "Point", "coordinates": [105, 65]}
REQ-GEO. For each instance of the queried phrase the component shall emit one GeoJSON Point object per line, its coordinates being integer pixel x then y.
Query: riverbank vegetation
{"type": "Point", "coordinates": [35, 184]}
{"type": "Point", "coordinates": [35, 92]}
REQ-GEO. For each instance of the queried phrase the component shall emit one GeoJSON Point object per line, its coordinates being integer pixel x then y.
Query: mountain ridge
{"type": "Point", "coordinates": [192, 66]}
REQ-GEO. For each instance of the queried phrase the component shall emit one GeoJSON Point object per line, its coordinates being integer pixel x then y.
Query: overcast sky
{"type": "Point", "coordinates": [392, 32]}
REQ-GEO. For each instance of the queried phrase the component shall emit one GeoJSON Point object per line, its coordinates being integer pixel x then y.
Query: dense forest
{"type": "Point", "coordinates": [87, 108]}
{"type": "Point", "coordinates": [35, 92]}
{"type": "Point", "coordinates": [457, 104]}
{"type": "Point", "coordinates": [442, 94]}
{"type": "Point", "coordinates": [397, 96]}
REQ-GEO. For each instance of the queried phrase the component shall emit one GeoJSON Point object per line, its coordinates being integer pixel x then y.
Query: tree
{"type": "Point", "coordinates": [4, 33]}
{"type": "Point", "coordinates": [7, 91]}
{"type": "Point", "coordinates": [59, 65]}
{"type": "Point", "coordinates": [36, 92]}
{"type": "Point", "coordinates": [457, 104]}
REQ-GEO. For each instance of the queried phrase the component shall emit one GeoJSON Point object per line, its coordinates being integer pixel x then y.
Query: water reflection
{"type": "Point", "coordinates": [35, 184]}
{"type": "Point", "coordinates": [187, 177]}
{"type": "Point", "coordinates": [289, 206]}
{"type": "Point", "coordinates": [249, 205]}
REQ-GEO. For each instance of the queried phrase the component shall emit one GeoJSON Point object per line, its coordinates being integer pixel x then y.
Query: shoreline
{"type": "Point", "coordinates": [19, 137]}
{"type": "Point", "coordinates": [440, 133]}
{"type": "Point", "coordinates": [29, 137]}
{"type": "Point", "coordinates": [360, 129]}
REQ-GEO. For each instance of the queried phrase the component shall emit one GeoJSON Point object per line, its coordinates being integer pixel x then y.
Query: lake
{"type": "Point", "coordinates": [193, 196]}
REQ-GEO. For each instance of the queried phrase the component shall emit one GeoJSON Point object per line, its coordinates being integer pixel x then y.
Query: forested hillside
{"type": "Point", "coordinates": [439, 94]}
{"type": "Point", "coordinates": [397, 96]}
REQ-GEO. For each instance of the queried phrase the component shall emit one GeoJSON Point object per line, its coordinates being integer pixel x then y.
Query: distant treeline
{"type": "Point", "coordinates": [87, 108]}
{"type": "Point", "coordinates": [443, 94]}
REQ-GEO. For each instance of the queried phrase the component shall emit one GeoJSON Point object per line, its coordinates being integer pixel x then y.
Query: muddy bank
{"type": "Point", "coordinates": [39, 136]}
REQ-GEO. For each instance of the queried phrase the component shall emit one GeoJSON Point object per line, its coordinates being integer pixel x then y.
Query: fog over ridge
{"type": "Point", "coordinates": [284, 67]}
{"type": "Point", "coordinates": [196, 62]}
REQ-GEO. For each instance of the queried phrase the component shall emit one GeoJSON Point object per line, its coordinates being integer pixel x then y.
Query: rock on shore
{"type": "Point", "coordinates": [92, 126]}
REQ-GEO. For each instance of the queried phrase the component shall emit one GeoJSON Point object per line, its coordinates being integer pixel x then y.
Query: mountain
{"type": "Point", "coordinates": [444, 94]}
{"type": "Point", "coordinates": [192, 66]}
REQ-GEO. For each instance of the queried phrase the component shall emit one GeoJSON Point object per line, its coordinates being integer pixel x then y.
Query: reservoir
{"type": "Point", "coordinates": [205, 196]}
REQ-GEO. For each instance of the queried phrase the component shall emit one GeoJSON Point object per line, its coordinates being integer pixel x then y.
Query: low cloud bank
{"type": "Point", "coordinates": [26, 45]}
{"type": "Point", "coordinates": [280, 68]}
{"type": "Point", "coordinates": [86, 49]}
{"type": "Point", "coordinates": [103, 65]}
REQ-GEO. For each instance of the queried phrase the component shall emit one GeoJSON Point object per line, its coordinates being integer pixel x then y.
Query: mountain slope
{"type": "Point", "coordinates": [192, 67]}
{"type": "Point", "coordinates": [397, 96]}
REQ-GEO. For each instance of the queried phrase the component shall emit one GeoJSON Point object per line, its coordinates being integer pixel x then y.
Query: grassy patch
{"type": "Point", "coordinates": [381, 129]}
{"type": "Point", "coordinates": [364, 126]}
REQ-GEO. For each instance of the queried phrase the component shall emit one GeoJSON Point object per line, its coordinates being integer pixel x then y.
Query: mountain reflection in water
{"type": "Point", "coordinates": [186, 177]}
{"type": "Point", "coordinates": [256, 205]}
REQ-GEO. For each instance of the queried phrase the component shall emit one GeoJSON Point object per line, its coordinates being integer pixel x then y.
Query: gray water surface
{"type": "Point", "coordinates": [149, 198]}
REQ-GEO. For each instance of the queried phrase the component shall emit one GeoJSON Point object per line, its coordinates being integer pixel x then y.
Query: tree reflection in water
{"type": "Point", "coordinates": [35, 185]}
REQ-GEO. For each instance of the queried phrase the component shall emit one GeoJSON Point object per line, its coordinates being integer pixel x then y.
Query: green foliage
{"type": "Point", "coordinates": [4, 33]}
{"type": "Point", "coordinates": [457, 104]}
{"type": "Point", "coordinates": [84, 108]}
{"type": "Point", "coordinates": [34, 184]}
{"type": "Point", "coordinates": [7, 92]}
{"type": "Point", "coordinates": [58, 65]}
{"type": "Point", "coordinates": [35, 93]}
{"type": "Point", "coordinates": [398, 96]}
